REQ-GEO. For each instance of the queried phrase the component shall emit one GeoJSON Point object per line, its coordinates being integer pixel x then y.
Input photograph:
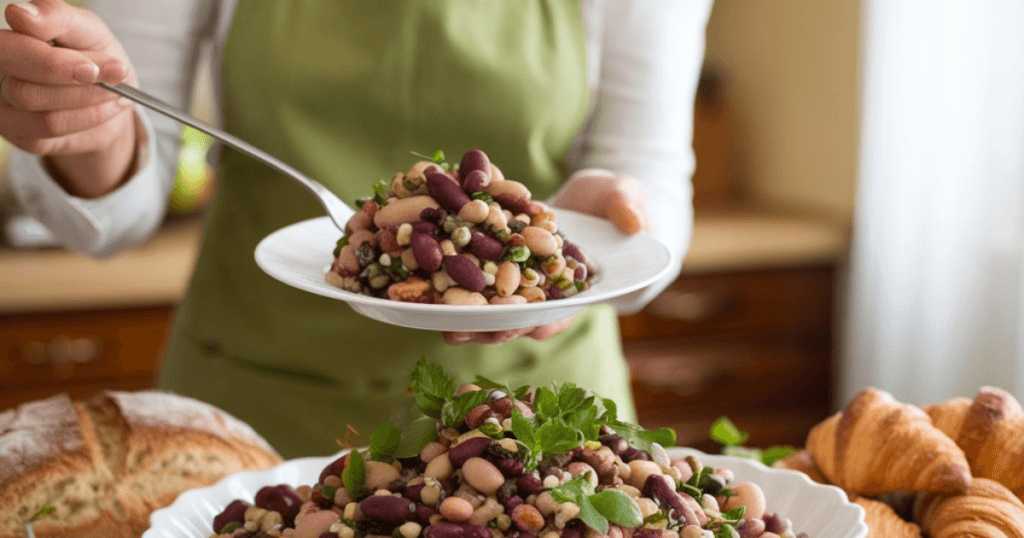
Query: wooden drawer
{"type": "Point", "coordinates": [677, 373]}
{"type": "Point", "coordinates": [776, 300]}
{"type": "Point", "coordinates": [78, 391]}
{"type": "Point", "coordinates": [74, 348]}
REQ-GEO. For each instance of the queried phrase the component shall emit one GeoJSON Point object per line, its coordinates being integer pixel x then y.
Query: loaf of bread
{"type": "Point", "coordinates": [105, 464]}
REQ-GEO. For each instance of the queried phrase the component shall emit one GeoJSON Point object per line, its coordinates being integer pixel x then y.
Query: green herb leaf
{"type": "Point", "coordinates": [415, 436]}
{"type": "Point", "coordinates": [556, 437]}
{"type": "Point", "coordinates": [341, 244]}
{"type": "Point", "coordinates": [655, 518]}
{"type": "Point", "coordinates": [438, 156]}
{"type": "Point", "coordinates": [481, 195]}
{"type": "Point", "coordinates": [691, 490]}
{"type": "Point", "coordinates": [328, 492]}
{"type": "Point", "coordinates": [571, 398]}
{"type": "Point", "coordinates": [354, 475]}
{"type": "Point", "coordinates": [454, 411]}
{"type": "Point", "coordinates": [230, 527]}
{"type": "Point", "coordinates": [617, 507]}
{"type": "Point", "coordinates": [734, 516]}
{"type": "Point", "coordinates": [610, 410]}
{"type": "Point", "coordinates": [380, 192]}
{"type": "Point", "coordinates": [725, 432]}
{"type": "Point", "coordinates": [43, 511]}
{"type": "Point", "coordinates": [432, 387]}
{"type": "Point", "coordinates": [773, 454]}
{"type": "Point", "coordinates": [591, 517]}
{"type": "Point", "coordinates": [521, 392]}
{"type": "Point", "coordinates": [409, 185]}
{"type": "Point", "coordinates": [641, 438]}
{"type": "Point", "coordinates": [743, 452]}
{"type": "Point", "coordinates": [384, 442]}
{"type": "Point", "coordinates": [545, 403]}
{"type": "Point", "coordinates": [523, 429]}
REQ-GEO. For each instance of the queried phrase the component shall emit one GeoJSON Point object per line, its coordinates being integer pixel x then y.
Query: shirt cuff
{"type": "Point", "coordinates": [98, 226]}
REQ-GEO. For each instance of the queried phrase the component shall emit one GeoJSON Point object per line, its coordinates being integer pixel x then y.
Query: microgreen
{"type": "Point", "coordinates": [341, 244]}
{"type": "Point", "coordinates": [724, 432]}
{"type": "Point", "coordinates": [354, 475]}
{"type": "Point", "coordinates": [481, 195]}
{"type": "Point", "coordinates": [437, 157]}
{"type": "Point", "coordinates": [43, 511]}
{"type": "Point", "coordinates": [380, 192]}
{"type": "Point", "coordinates": [733, 516]}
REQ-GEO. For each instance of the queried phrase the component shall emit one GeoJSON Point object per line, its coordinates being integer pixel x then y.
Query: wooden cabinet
{"type": "Point", "coordinates": [751, 345]}
{"type": "Point", "coordinates": [80, 352]}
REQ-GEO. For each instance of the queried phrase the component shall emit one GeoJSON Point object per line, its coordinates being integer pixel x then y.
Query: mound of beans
{"type": "Point", "coordinates": [468, 484]}
{"type": "Point", "coordinates": [462, 236]}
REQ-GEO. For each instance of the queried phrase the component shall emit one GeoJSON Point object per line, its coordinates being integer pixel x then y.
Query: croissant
{"type": "Point", "coordinates": [803, 461]}
{"type": "Point", "coordinates": [986, 510]}
{"type": "Point", "coordinates": [990, 430]}
{"type": "Point", "coordinates": [884, 522]}
{"type": "Point", "coordinates": [878, 445]}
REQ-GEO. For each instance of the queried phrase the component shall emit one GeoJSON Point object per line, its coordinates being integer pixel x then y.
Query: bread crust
{"type": "Point", "coordinates": [106, 463]}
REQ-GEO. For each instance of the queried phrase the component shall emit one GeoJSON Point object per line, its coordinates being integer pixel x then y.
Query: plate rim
{"type": "Point", "coordinates": [861, 530]}
{"type": "Point", "coordinates": [578, 301]}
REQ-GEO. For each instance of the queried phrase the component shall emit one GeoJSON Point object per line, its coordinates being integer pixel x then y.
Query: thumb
{"type": "Point", "coordinates": [58, 23]}
{"type": "Point", "coordinates": [626, 208]}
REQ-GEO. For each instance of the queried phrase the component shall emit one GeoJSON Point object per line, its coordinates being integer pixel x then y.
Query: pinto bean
{"type": "Point", "coordinates": [465, 272]}
{"type": "Point", "coordinates": [482, 475]}
{"type": "Point", "coordinates": [460, 296]}
{"type": "Point", "coordinates": [748, 495]}
{"type": "Point", "coordinates": [447, 193]}
{"type": "Point", "coordinates": [514, 299]}
{"type": "Point", "coordinates": [527, 518]}
{"type": "Point", "coordinates": [439, 467]}
{"type": "Point", "coordinates": [348, 260]}
{"type": "Point", "coordinates": [456, 509]}
{"type": "Point", "coordinates": [514, 188]}
{"type": "Point", "coordinates": [379, 475]}
{"type": "Point", "coordinates": [361, 220]}
{"type": "Point", "coordinates": [475, 211]}
{"type": "Point", "coordinates": [404, 210]}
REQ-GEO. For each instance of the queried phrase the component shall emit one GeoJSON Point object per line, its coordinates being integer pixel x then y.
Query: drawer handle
{"type": "Point", "coordinates": [692, 306]}
{"type": "Point", "coordinates": [62, 353]}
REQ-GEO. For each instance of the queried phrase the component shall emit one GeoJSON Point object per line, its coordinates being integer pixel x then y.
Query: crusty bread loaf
{"type": "Point", "coordinates": [106, 463]}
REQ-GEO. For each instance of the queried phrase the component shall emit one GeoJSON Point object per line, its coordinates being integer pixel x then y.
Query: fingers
{"type": "Point", "coordinates": [627, 211]}
{"type": "Point", "coordinates": [551, 329]}
{"type": "Point", "coordinates": [57, 22]}
{"type": "Point", "coordinates": [32, 97]}
{"type": "Point", "coordinates": [20, 124]}
{"type": "Point", "coordinates": [95, 139]}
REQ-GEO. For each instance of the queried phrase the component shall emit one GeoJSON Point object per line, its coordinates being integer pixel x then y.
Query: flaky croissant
{"type": "Point", "coordinates": [878, 445]}
{"type": "Point", "coordinates": [986, 510]}
{"type": "Point", "coordinates": [884, 522]}
{"type": "Point", "coordinates": [990, 430]}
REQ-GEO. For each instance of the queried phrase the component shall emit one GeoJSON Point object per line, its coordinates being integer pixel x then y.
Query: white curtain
{"type": "Point", "coordinates": [935, 301]}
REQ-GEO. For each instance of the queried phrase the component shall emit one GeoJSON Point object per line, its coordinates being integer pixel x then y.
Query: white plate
{"type": "Point", "coordinates": [819, 511]}
{"type": "Point", "coordinates": [300, 255]}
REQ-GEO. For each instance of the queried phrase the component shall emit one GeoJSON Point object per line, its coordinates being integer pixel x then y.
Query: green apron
{"type": "Point", "coordinates": [343, 90]}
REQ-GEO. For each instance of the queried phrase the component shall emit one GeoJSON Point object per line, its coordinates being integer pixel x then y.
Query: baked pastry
{"type": "Point", "coordinates": [878, 445]}
{"type": "Point", "coordinates": [884, 522]}
{"type": "Point", "coordinates": [986, 510]}
{"type": "Point", "coordinates": [990, 430]}
{"type": "Point", "coordinates": [106, 463]}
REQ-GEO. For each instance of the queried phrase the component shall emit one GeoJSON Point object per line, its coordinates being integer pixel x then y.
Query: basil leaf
{"type": "Point", "coordinates": [617, 507]}
{"type": "Point", "coordinates": [591, 517]}
{"type": "Point", "coordinates": [384, 442]}
{"type": "Point", "coordinates": [523, 429]}
{"type": "Point", "coordinates": [556, 437]}
{"type": "Point", "coordinates": [354, 475]}
{"type": "Point", "coordinates": [726, 433]}
{"type": "Point", "coordinates": [773, 454]}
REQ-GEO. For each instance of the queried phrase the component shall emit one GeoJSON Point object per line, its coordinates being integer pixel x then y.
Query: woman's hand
{"type": "Point", "coordinates": [50, 105]}
{"type": "Point", "coordinates": [599, 193]}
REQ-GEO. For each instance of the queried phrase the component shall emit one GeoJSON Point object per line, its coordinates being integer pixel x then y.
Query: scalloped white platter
{"type": "Point", "coordinates": [819, 511]}
{"type": "Point", "coordinates": [299, 255]}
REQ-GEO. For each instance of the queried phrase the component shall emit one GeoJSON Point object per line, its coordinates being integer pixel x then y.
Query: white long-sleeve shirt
{"type": "Point", "coordinates": [644, 60]}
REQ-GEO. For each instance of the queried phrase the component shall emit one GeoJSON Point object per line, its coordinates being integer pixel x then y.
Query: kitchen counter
{"type": "Point", "coordinates": [157, 273]}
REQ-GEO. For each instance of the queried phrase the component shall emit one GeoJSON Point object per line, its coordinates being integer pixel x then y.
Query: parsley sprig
{"type": "Point", "coordinates": [727, 434]}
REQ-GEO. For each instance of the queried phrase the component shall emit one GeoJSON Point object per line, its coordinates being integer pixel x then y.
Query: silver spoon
{"type": "Point", "coordinates": [338, 210]}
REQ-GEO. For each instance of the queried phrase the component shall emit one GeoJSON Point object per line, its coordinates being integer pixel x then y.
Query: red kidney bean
{"type": "Point", "coordinates": [644, 533]}
{"type": "Point", "coordinates": [655, 486]}
{"type": "Point", "coordinates": [444, 529]}
{"type": "Point", "coordinates": [510, 467]}
{"type": "Point", "coordinates": [580, 274]}
{"type": "Point", "coordinates": [485, 246]}
{"type": "Point", "coordinates": [572, 531]}
{"type": "Point", "coordinates": [470, 448]}
{"type": "Point", "coordinates": [530, 484]}
{"type": "Point", "coordinates": [474, 160]}
{"type": "Point", "coordinates": [433, 214]}
{"type": "Point", "coordinates": [423, 513]}
{"type": "Point", "coordinates": [325, 534]}
{"type": "Point", "coordinates": [448, 485]}
{"type": "Point", "coordinates": [447, 193]}
{"type": "Point", "coordinates": [387, 510]}
{"type": "Point", "coordinates": [476, 416]}
{"type": "Point", "coordinates": [424, 227]}
{"type": "Point", "coordinates": [476, 181]}
{"type": "Point", "coordinates": [570, 250]}
{"type": "Point", "coordinates": [614, 442]}
{"type": "Point", "coordinates": [280, 499]}
{"type": "Point", "coordinates": [631, 454]}
{"type": "Point", "coordinates": [553, 293]}
{"type": "Point", "coordinates": [515, 204]}
{"type": "Point", "coordinates": [464, 271]}
{"type": "Point", "coordinates": [333, 469]}
{"type": "Point", "coordinates": [774, 523]}
{"type": "Point", "coordinates": [427, 252]}
{"type": "Point", "coordinates": [234, 513]}
{"type": "Point", "coordinates": [412, 491]}
{"type": "Point", "coordinates": [511, 503]}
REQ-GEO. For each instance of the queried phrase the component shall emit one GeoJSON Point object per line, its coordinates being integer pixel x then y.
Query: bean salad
{"type": "Point", "coordinates": [484, 460]}
{"type": "Point", "coordinates": [459, 235]}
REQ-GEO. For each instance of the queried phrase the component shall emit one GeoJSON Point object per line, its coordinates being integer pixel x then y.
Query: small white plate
{"type": "Point", "coordinates": [300, 255]}
{"type": "Point", "coordinates": [819, 511]}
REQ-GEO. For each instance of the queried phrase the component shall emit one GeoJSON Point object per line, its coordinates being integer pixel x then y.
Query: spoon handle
{"type": "Point", "coordinates": [338, 210]}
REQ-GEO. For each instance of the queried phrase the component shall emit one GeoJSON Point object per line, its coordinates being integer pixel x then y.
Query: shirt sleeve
{"type": "Point", "coordinates": [163, 40]}
{"type": "Point", "coordinates": [649, 58]}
